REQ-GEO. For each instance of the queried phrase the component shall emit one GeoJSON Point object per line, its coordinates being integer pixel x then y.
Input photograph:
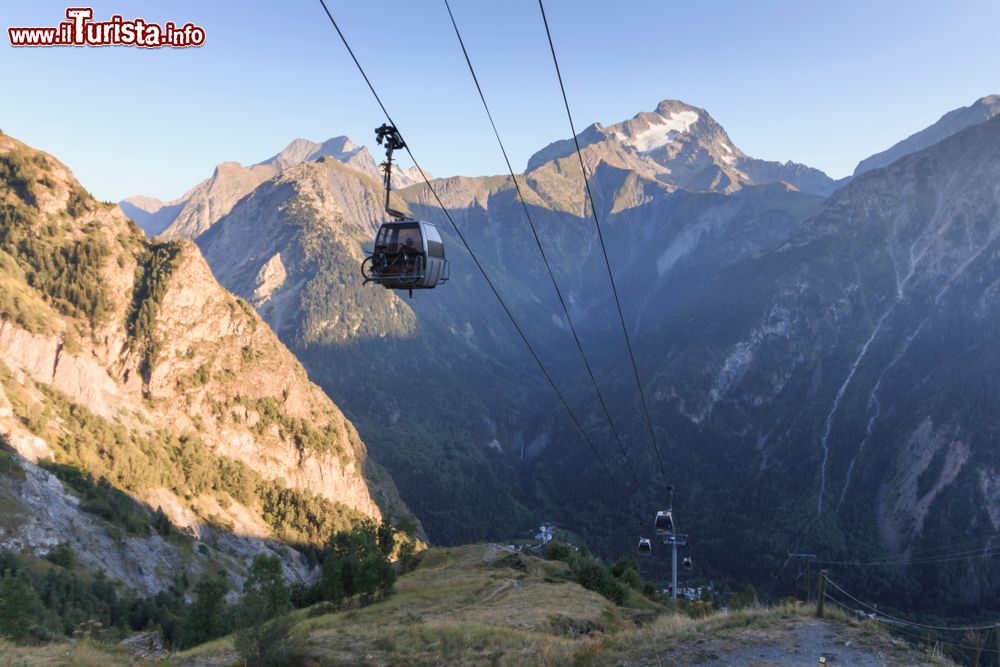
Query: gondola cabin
{"type": "Point", "coordinates": [645, 547]}
{"type": "Point", "coordinates": [687, 564]}
{"type": "Point", "coordinates": [408, 254]}
{"type": "Point", "coordinates": [664, 523]}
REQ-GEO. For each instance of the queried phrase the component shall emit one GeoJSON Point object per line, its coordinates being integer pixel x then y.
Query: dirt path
{"type": "Point", "coordinates": [804, 644]}
{"type": "Point", "coordinates": [794, 644]}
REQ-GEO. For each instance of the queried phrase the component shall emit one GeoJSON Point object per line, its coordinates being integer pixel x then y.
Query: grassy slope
{"type": "Point", "coordinates": [478, 605]}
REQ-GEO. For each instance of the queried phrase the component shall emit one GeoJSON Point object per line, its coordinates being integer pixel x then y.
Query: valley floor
{"type": "Point", "coordinates": [485, 605]}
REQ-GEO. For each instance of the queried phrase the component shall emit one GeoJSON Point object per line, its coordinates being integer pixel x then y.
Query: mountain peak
{"type": "Point", "coordinates": [648, 131]}
{"type": "Point", "coordinates": [303, 150]}
{"type": "Point", "coordinates": [196, 210]}
{"type": "Point", "coordinates": [673, 106]}
{"type": "Point", "coordinates": [645, 132]}
{"type": "Point", "coordinates": [682, 146]}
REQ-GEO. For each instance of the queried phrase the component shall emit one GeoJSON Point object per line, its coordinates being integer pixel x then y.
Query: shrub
{"type": "Point", "coordinates": [265, 594]}
{"type": "Point", "coordinates": [594, 576]}
{"type": "Point", "coordinates": [357, 563]}
{"type": "Point", "coordinates": [746, 598]}
{"type": "Point", "coordinates": [202, 375]}
{"type": "Point", "coordinates": [269, 644]}
{"type": "Point", "coordinates": [557, 551]}
{"type": "Point", "coordinates": [408, 559]}
{"type": "Point", "coordinates": [626, 570]}
{"type": "Point", "coordinates": [62, 555]}
{"type": "Point", "coordinates": [588, 571]}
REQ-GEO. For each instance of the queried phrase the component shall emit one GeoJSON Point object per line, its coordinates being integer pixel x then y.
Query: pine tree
{"type": "Point", "coordinates": [265, 594]}
{"type": "Point", "coordinates": [18, 601]}
{"type": "Point", "coordinates": [207, 617]}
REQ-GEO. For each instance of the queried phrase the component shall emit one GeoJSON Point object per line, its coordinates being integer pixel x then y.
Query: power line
{"type": "Point", "coordinates": [482, 270]}
{"type": "Point", "coordinates": [538, 242]}
{"type": "Point", "coordinates": [906, 622]}
{"type": "Point", "coordinates": [604, 250]}
{"type": "Point", "coordinates": [984, 541]}
{"type": "Point", "coordinates": [930, 559]}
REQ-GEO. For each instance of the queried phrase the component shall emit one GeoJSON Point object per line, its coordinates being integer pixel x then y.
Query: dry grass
{"type": "Point", "coordinates": [745, 626]}
{"type": "Point", "coordinates": [466, 607]}
{"type": "Point", "coordinates": [81, 654]}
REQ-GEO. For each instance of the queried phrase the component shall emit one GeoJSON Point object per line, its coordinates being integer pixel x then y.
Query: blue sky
{"type": "Point", "coordinates": [823, 83]}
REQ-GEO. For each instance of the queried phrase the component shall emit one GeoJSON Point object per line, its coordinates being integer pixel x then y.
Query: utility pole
{"type": "Point", "coordinates": [822, 593]}
{"type": "Point", "coordinates": [808, 581]}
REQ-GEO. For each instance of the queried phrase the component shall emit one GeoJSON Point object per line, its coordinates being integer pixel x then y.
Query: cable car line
{"type": "Point", "coordinates": [604, 250]}
{"type": "Point", "coordinates": [903, 621]}
{"type": "Point", "coordinates": [538, 242]}
{"type": "Point", "coordinates": [482, 270]}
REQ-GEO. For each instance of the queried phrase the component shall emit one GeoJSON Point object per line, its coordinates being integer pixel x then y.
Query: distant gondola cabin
{"type": "Point", "coordinates": [664, 522]}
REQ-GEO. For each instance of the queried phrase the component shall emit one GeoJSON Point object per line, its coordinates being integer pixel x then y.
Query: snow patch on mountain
{"type": "Point", "coordinates": [660, 134]}
{"type": "Point", "coordinates": [728, 158]}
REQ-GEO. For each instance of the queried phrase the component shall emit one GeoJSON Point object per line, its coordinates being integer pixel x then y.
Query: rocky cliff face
{"type": "Point", "coordinates": [125, 361]}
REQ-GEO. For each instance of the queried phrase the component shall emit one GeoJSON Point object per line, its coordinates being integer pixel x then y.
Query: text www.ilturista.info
{"type": "Point", "coordinates": [80, 30]}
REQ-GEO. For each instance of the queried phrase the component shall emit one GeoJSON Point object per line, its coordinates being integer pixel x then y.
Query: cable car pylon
{"type": "Point", "coordinates": [666, 525]}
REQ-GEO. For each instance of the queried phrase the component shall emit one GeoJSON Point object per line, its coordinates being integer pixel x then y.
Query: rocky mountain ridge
{"type": "Point", "coordinates": [133, 385]}
{"type": "Point", "coordinates": [954, 121]}
{"type": "Point", "coordinates": [198, 208]}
